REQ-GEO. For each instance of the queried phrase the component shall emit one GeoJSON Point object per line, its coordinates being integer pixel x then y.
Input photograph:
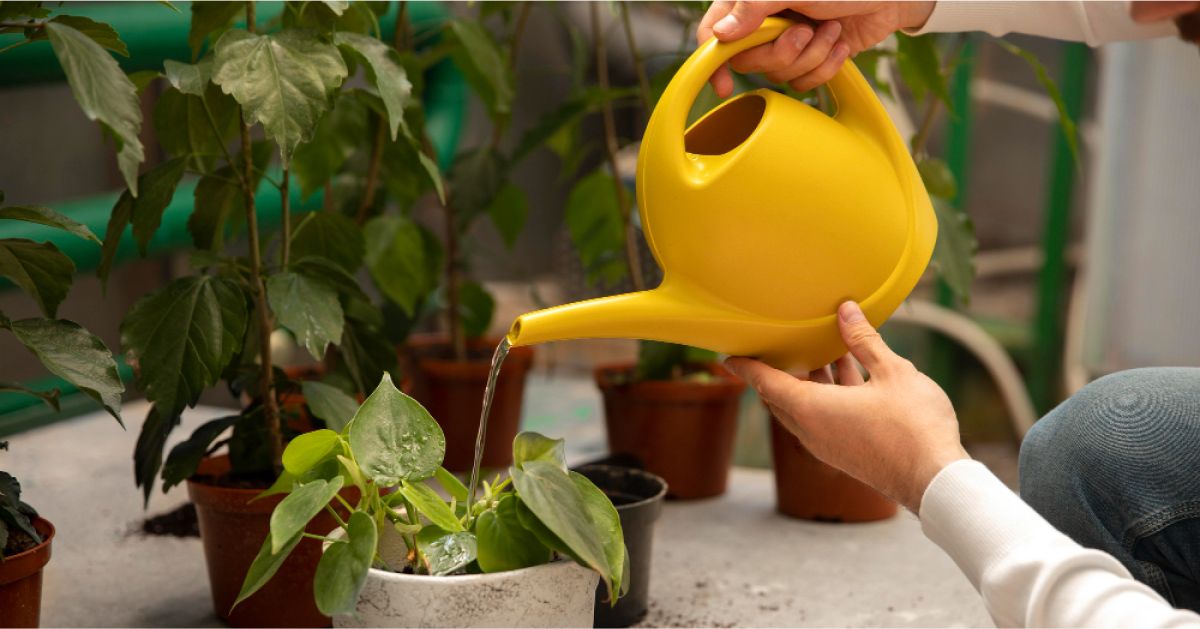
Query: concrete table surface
{"type": "Point", "coordinates": [729, 561]}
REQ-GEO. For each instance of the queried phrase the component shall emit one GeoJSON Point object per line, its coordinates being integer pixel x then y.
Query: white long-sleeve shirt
{"type": "Point", "coordinates": [1030, 574]}
{"type": "Point", "coordinates": [1092, 22]}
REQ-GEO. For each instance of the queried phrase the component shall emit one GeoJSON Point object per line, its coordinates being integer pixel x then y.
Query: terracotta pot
{"type": "Point", "coordinates": [680, 430]}
{"type": "Point", "coordinates": [452, 392]}
{"type": "Point", "coordinates": [233, 529]}
{"type": "Point", "coordinates": [21, 581]}
{"type": "Point", "coordinates": [809, 489]}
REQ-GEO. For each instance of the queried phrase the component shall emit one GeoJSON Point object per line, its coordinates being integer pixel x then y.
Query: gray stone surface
{"type": "Point", "coordinates": [729, 561]}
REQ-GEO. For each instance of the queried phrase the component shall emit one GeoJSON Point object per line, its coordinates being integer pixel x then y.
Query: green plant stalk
{"type": "Point", "coordinates": [265, 325]}
{"type": "Point", "coordinates": [632, 260]}
{"type": "Point", "coordinates": [285, 216]}
{"type": "Point", "coordinates": [933, 107]}
{"type": "Point", "coordinates": [360, 217]}
{"type": "Point", "coordinates": [639, 63]}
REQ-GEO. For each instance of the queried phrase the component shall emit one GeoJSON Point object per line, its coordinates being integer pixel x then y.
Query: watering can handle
{"type": "Point", "coordinates": [858, 107]}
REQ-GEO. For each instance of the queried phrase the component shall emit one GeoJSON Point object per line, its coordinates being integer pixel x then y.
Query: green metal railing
{"type": "Point", "coordinates": [154, 33]}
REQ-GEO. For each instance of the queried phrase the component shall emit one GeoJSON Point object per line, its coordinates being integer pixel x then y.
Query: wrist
{"type": "Point", "coordinates": [914, 15]}
{"type": "Point", "coordinates": [924, 474]}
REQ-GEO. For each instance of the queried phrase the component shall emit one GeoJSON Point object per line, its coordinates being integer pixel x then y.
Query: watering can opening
{"type": "Point", "coordinates": [726, 127]}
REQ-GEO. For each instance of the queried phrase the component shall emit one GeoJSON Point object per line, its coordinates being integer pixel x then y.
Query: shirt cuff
{"type": "Point", "coordinates": [975, 518]}
{"type": "Point", "coordinates": [951, 16]}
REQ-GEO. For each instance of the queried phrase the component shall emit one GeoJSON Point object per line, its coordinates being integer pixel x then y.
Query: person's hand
{"type": "Point", "coordinates": [805, 55]}
{"type": "Point", "coordinates": [894, 432]}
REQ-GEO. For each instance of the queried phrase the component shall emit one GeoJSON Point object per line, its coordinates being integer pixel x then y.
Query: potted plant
{"type": "Point", "coordinates": [407, 556]}
{"type": "Point", "coordinates": [69, 351]}
{"type": "Point", "coordinates": [217, 323]}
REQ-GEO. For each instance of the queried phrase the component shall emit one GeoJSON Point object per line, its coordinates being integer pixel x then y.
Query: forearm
{"type": "Point", "coordinates": [1092, 22]}
{"type": "Point", "coordinates": [1029, 573]}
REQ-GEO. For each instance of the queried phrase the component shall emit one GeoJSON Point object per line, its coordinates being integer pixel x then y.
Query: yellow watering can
{"type": "Point", "coordinates": [765, 215]}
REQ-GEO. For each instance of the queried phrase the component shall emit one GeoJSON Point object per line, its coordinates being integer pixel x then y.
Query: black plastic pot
{"type": "Point", "coordinates": [638, 497]}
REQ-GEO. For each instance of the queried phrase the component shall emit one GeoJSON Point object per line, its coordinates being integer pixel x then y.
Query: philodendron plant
{"type": "Point", "coordinates": [391, 451]}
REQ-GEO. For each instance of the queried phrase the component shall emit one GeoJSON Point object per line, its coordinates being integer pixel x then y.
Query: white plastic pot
{"type": "Point", "coordinates": [558, 594]}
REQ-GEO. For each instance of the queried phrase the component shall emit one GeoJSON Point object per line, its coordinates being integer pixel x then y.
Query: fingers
{"type": "Point", "coordinates": [848, 374]}
{"type": "Point", "coordinates": [743, 18]}
{"type": "Point", "coordinates": [716, 11]}
{"type": "Point", "coordinates": [812, 56]}
{"type": "Point", "coordinates": [777, 55]}
{"type": "Point", "coordinates": [822, 375]}
{"type": "Point", "coordinates": [863, 341]}
{"type": "Point", "coordinates": [824, 72]}
{"type": "Point", "coordinates": [772, 384]}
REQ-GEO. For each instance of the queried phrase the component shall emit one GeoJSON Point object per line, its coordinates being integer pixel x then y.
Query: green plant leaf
{"type": "Point", "coordinates": [343, 568]}
{"type": "Point", "coordinates": [329, 404]}
{"type": "Point", "coordinates": [11, 9]}
{"type": "Point", "coordinates": [184, 128]}
{"type": "Point", "coordinates": [552, 496]}
{"type": "Point", "coordinates": [331, 236]}
{"type": "Point", "coordinates": [868, 62]}
{"type": "Point", "coordinates": [385, 71]}
{"type": "Point", "coordinates": [606, 526]}
{"type": "Point", "coordinates": [103, 92]}
{"type": "Point", "coordinates": [307, 307]}
{"type": "Point", "coordinates": [939, 180]}
{"type": "Point", "coordinates": [429, 504]}
{"type": "Point", "coordinates": [451, 484]}
{"type": "Point", "coordinates": [1043, 78]}
{"type": "Point", "coordinates": [475, 179]}
{"type": "Point", "coordinates": [448, 552]}
{"type": "Point", "coordinates": [148, 453]}
{"type": "Point", "coordinates": [39, 269]}
{"type": "Point", "coordinates": [508, 212]}
{"type": "Point", "coordinates": [50, 397]}
{"type": "Point", "coordinates": [340, 133]}
{"type": "Point", "coordinates": [211, 18]}
{"type": "Point", "coordinates": [658, 360]}
{"type": "Point", "coordinates": [184, 335]}
{"type": "Point", "coordinates": [568, 113]}
{"type": "Point", "coordinates": [337, 6]}
{"type": "Point", "coordinates": [594, 221]}
{"type": "Point", "coordinates": [185, 457]}
{"type": "Point", "coordinates": [281, 80]}
{"type": "Point", "coordinates": [72, 353]}
{"type": "Point", "coordinates": [483, 65]}
{"type": "Point", "coordinates": [220, 202]}
{"type": "Point", "coordinates": [476, 307]}
{"type": "Point", "coordinates": [367, 353]}
{"type": "Point", "coordinates": [266, 563]}
{"type": "Point", "coordinates": [393, 438]}
{"type": "Point", "coordinates": [503, 543]}
{"type": "Point", "coordinates": [143, 78]}
{"type": "Point", "coordinates": [157, 187]}
{"type": "Point", "coordinates": [532, 446]}
{"type": "Point", "coordinates": [954, 251]}
{"type": "Point", "coordinates": [396, 258]}
{"type": "Point", "coordinates": [292, 513]}
{"type": "Point", "coordinates": [306, 450]}
{"type": "Point", "coordinates": [189, 78]}
{"type": "Point", "coordinates": [920, 66]}
{"type": "Point", "coordinates": [103, 34]}
{"type": "Point", "coordinates": [48, 217]}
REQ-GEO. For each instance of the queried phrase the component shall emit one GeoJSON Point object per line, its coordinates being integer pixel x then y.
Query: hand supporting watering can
{"type": "Point", "coordinates": [898, 432]}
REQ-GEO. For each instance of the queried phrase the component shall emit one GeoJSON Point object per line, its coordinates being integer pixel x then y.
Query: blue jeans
{"type": "Point", "coordinates": [1117, 467]}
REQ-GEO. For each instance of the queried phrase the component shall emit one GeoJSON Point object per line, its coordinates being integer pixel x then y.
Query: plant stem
{"type": "Point", "coordinates": [333, 512]}
{"type": "Point", "coordinates": [372, 169]}
{"type": "Point", "coordinates": [933, 107]}
{"type": "Point", "coordinates": [458, 340]}
{"type": "Point", "coordinates": [265, 325]}
{"type": "Point", "coordinates": [610, 148]}
{"type": "Point", "coordinates": [327, 203]}
{"type": "Point", "coordinates": [321, 538]}
{"type": "Point", "coordinates": [639, 64]}
{"type": "Point", "coordinates": [212, 122]}
{"type": "Point", "coordinates": [285, 213]}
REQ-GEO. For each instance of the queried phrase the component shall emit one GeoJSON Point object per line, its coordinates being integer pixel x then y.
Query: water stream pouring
{"type": "Point", "coordinates": [764, 215]}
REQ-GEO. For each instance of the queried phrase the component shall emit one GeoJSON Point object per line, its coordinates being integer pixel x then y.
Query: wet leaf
{"type": "Point", "coordinates": [504, 544]}
{"type": "Point", "coordinates": [449, 553]}
{"type": "Point", "coordinates": [394, 438]}
{"type": "Point", "coordinates": [309, 308]}
{"type": "Point", "coordinates": [532, 446]}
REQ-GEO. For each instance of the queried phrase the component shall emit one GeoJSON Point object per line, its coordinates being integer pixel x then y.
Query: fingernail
{"type": "Point", "coordinates": [726, 25]}
{"type": "Point", "coordinates": [835, 29]}
{"type": "Point", "coordinates": [850, 312]}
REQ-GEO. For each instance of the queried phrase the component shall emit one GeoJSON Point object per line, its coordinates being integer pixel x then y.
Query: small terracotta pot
{"type": "Point", "coordinates": [680, 430]}
{"type": "Point", "coordinates": [21, 581]}
{"type": "Point", "coordinates": [452, 392]}
{"type": "Point", "coordinates": [233, 529]}
{"type": "Point", "coordinates": [809, 489]}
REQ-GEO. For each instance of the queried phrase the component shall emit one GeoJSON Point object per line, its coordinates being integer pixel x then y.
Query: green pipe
{"type": "Point", "coordinates": [153, 32]}
{"type": "Point", "coordinates": [958, 158]}
{"type": "Point", "coordinates": [1052, 281]}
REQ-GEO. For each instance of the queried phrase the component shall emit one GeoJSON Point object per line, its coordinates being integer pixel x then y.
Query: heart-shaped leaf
{"type": "Point", "coordinates": [393, 437]}
{"type": "Point", "coordinates": [309, 308]}
{"type": "Point", "coordinates": [266, 563]}
{"type": "Point", "coordinates": [503, 543]}
{"type": "Point", "coordinates": [343, 568]}
{"type": "Point", "coordinates": [329, 404]}
{"type": "Point", "coordinates": [555, 499]}
{"type": "Point", "coordinates": [308, 449]}
{"type": "Point", "coordinates": [447, 553]}
{"type": "Point", "coordinates": [292, 513]}
{"type": "Point", "coordinates": [532, 446]}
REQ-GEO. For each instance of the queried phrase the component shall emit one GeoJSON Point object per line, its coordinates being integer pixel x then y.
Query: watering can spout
{"type": "Point", "coordinates": [641, 315]}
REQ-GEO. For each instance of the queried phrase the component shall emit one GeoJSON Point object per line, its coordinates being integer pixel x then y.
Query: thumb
{"type": "Point", "coordinates": [862, 340]}
{"type": "Point", "coordinates": [744, 18]}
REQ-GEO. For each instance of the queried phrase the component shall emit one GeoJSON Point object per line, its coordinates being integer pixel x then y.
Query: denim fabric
{"type": "Point", "coordinates": [1117, 467]}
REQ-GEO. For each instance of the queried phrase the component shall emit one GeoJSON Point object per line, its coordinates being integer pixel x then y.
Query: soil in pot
{"type": "Point", "coordinates": [681, 430]}
{"type": "Point", "coordinates": [638, 497]}
{"type": "Point", "coordinates": [21, 576]}
{"type": "Point", "coordinates": [556, 594]}
{"type": "Point", "coordinates": [809, 489]}
{"type": "Point", "coordinates": [232, 529]}
{"type": "Point", "coordinates": [452, 392]}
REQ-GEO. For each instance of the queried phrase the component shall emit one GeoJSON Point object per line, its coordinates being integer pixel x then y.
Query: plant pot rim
{"type": "Point", "coordinates": [29, 561]}
{"type": "Point", "coordinates": [216, 460]}
{"type": "Point", "coordinates": [658, 495]}
{"type": "Point", "coordinates": [727, 382]}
